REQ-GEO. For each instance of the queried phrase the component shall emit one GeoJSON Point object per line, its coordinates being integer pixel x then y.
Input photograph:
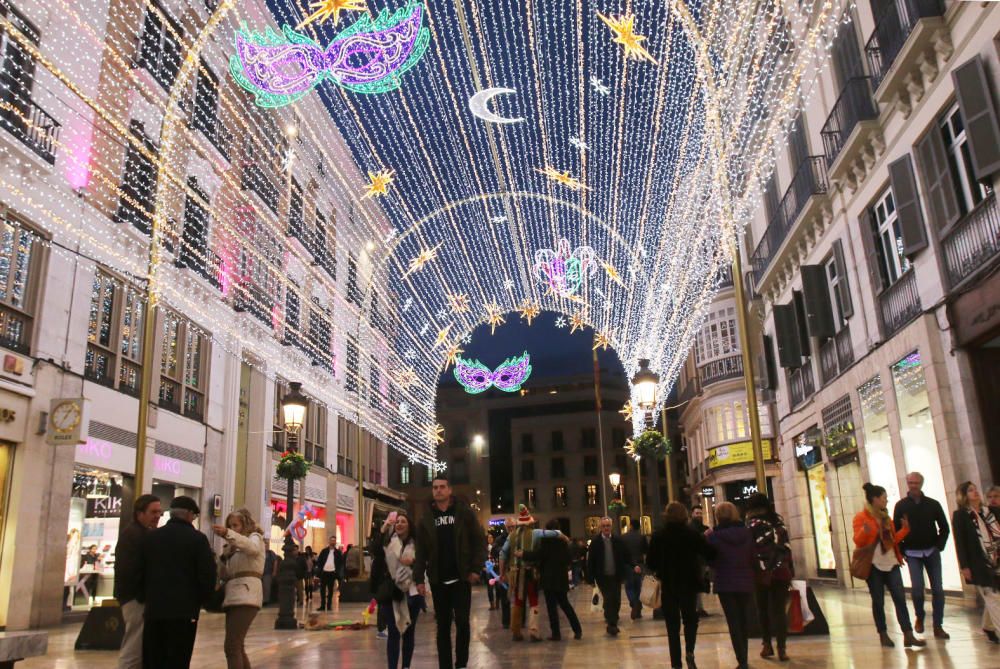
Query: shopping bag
{"type": "Point", "coordinates": [650, 593]}
{"type": "Point", "coordinates": [795, 622]}
{"type": "Point", "coordinates": [595, 600]}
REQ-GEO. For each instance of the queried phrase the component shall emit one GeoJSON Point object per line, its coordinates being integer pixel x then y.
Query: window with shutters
{"type": "Point", "coordinates": [374, 384]}
{"type": "Point", "coordinates": [833, 280]}
{"type": "Point", "coordinates": [114, 334]}
{"type": "Point", "coordinates": [296, 214]}
{"type": "Point", "coordinates": [138, 189]}
{"type": "Point", "coordinates": [183, 365]}
{"type": "Point", "coordinates": [159, 46]}
{"type": "Point", "coordinates": [968, 191]}
{"type": "Point", "coordinates": [19, 283]}
{"type": "Point", "coordinates": [194, 237]}
{"type": "Point", "coordinates": [353, 293]}
{"type": "Point", "coordinates": [353, 361]}
{"type": "Point", "coordinates": [888, 239]}
{"type": "Point", "coordinates": [205, 116]}
{"type": "Point", "coordinates": [320, 352]}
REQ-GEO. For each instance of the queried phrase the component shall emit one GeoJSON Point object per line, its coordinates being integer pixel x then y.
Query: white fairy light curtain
{"type": "Point", "coordinates": [365, 182]}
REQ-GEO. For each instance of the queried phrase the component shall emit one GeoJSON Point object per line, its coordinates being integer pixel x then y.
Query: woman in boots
{"type": "Point", "coordinates": [772, 572]}
{"type": "Point", "coordinates": [874, 527]}
{"type": "Point", "coordinates": [977, 542]}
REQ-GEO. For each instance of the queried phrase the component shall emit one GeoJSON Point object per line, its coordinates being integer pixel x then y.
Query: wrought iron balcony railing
{"type": "Point", "coordinates": [892, 29]}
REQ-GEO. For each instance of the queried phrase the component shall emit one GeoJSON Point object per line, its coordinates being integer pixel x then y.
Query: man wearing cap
{"type": "Point", "coordinates": [521, 573]}
{"type": "Point", "coordinates": [178, 576]}
{"type": "Point", "coordinates": [451, 552]}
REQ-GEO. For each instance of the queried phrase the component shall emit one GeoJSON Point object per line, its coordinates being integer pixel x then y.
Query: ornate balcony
{"type": "Point", "coordinates": [893, 29]}
{"type": "Point", "coordinates": [722, 369]}
{"type": "Point", "coordinates": [854, 105]}
{"type": "Point", "coordinates": [972, 242]}
{"type": "Point", "coordinates": [899, 304]}
{"type": "Point", "coordinates": [29, 123]}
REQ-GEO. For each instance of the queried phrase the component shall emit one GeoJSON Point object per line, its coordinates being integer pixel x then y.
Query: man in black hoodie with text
{"type": "Point", "coordinates": [451, 553]}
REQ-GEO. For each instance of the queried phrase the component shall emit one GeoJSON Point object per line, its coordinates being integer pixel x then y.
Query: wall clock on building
{"type": "Point", "coordinates": [65, 416]}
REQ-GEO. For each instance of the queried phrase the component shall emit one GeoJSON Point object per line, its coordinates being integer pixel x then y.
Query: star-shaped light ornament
{"type": "Point", "coordinates": [623, 26]}
{"type": "Point", "coordinates": [563, 178]}
{"type": "Point", "coordinates": [406, 377]}
{"type": "Point", "coordinates": [626, 411]}
{"type": "Point", "coordinates": [327, 8]}
{"type": "Point", "coordinates": [630, 449]}
{"type": "Point", "coordinates": [494, 316]}
{"type": "Point", "coordinates": [577, 322]}
{"type": "Point", "coordinates": [561, 322]}
{"type": "Point", "coordinates": [529, 310]}
{"type": "Point", "coordinates": [441, 336]}
{"type": "Point", "coordinates": [598, 85]}
{"type": "Point", "coordinates": [578, 143]}
{"type": "Point", "coordinates": [378, 183]}
{"type": "Point", "coordinates": [458, 302]}
{"type": "Point", "coordinates": [612, 273]}
{"type": "Point", "coordinates": [601, 341]}
{"type": "Point", "coordinates": [434, 434]}
{"type": "Point", "coordinates": [424, 257]}
{"type": "Point", "coordinates": [508, 284]}
{"type": "Point", "coordinates": [451, 354]}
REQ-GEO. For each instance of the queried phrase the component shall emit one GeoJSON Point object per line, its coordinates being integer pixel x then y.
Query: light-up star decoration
{"type": "Point", "coordinates": [424, 257]}
{"type": "Point", "coordinates": [378, 183]}
{"type": "Point", "coordinates": [578, 143]}
{"type": "Point", "coordinates": [405, 378]}
{"type": "Point", "coordinates": [529, 311]}
{"type": "Point", "coordinates": [626, 411]}
{"type": "Point", "coordinates": [442, 335]}
{"type": "Point", "coordinates": [494, 316]}
{"type": "Point", "coordinates": [612, 273]}
{"type": "Point", "coordinates": [598, 85]}
{"type": "Point", "coordinates": [476, 377]}
{"type": "Point", "coordinates": [561, 270]}
{"type": "Point", "coordinates": [601, 341]}
{"type": "Point", "coordinates": [369, 56]}
{"type": "Point", "coordinates": [577, 322]}
{"type": "Point", "coordinates": [434, 434]}
{"type": "Point", "coordinates": [451, 355]}
{"type": "Point", "coordinates": [624, 29]}
{"type": "Point", "coordinates": [327, 8]}
{"type": "Point", "coordinates": [458, 302]}
{"type": "Point", "coordinates": [563, 178]}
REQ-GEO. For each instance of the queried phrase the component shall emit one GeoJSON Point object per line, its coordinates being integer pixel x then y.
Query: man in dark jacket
{"type": "Point", "coordinates": [553, 558]}
{"type": "Point", "coordinates": [178, 576]}
{"type": "Point", "coordinates": [503, 597]}
{"type": "Point", "coordinates": [146, 514]}
{"type": "Point", "coordinates": [922, 548]}
{"type": "Point", "coordinates": [451, 553]}
{"type": "Point", "coordinates": [607, 566]}
{"type": "Point", "coordinates": [698, 525]}
{"type": "Point", "coordinates": [329, 566]}
{"type": "Point", "coordinates": [637, 545]}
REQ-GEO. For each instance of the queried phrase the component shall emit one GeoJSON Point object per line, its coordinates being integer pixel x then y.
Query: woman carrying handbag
{"type": "Point", "coordinates": [243, 569]}
{"type": "Point", "coordinates": [875, 535]}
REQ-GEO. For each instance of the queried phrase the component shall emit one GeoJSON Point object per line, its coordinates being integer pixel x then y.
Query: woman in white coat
{"type": "Point", "coordinates": [242, 570]}
{"type": "Point", "coordinates": [407, 603]}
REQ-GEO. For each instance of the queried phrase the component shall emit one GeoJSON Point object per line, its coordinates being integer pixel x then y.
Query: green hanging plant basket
{"type": "Point", "coordinates": [649, 444]}
{"type": "Point", "coordinates": [617, 507]}
{"type": "Point", "coordinates": [292, 466]}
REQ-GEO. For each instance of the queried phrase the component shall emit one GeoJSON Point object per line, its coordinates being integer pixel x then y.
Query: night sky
{"type": "Point", "coordinates": [554, 351]}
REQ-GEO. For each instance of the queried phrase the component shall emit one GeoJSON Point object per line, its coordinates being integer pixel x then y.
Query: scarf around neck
{"type": "Point", "coordinates": [881, 516]}
{"type": "Point", "coordinates": [988, 531]}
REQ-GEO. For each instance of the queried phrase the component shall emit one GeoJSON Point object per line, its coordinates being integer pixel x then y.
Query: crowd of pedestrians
{"type": "Point", "coordinates": [166, 574]}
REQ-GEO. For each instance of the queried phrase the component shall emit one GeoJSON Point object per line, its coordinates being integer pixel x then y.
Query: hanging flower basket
{"type": "Point", "coordinates": [649, 444]}
{"type": "Point", "coordinates": [617, 507]}
{"type": "Point", "coordinates": [292, 466]}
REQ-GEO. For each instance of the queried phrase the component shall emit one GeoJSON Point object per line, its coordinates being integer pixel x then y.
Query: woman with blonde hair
{"type": "Point", "coordinates": [242, 570]}
{"type": "Point", "coordinates": [977, 542]}
{"type": "Point", "coordinates": [733, 565]}
{"type": "Point", "coordinates": [877, 540]}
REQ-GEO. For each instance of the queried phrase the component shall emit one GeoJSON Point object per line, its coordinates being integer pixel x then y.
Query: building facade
{"type": "Point", "coordinates": [88, 170]}
{"type": "Point", "coordinates": [873, 257]}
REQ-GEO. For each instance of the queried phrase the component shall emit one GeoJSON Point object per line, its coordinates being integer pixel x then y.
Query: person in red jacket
{"type": "Point", "coordinates": [873, 525]}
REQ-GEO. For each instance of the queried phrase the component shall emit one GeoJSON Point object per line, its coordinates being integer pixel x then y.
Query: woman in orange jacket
{"type": "Point", "coordinates": [874, 526]}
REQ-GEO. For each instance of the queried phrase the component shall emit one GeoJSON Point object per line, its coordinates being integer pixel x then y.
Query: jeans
{"type": "Point", "coordinates": [130, 656]}
{"type": "Point", "coordinates": [414, 603]}
{"type": "Point", "coordinates": [917, 565]}
{"type": "Point", "coordinates": [504, 600]}
{"type": "Point", "coordinates": [382, 615]}
{"type": "Point", "coordinates": [878, 581]}
{"type": "Point", "coordinates": [168, 644]}
{"type": "Point", "coordinates": [736, 606]}
{"type": "Point", "coordinates": [559, 600]}
{"type": "Point", "coordinates": [611, 591]}
{"type": "Point", "coordinates": [678, 607]}
{"type": "Point", "coordinates": [452, 602]}
{"type": "Point", "coordinates": [633, 586]}
{"type": "Point", "coordinates": [772, 605]}
{"type": "Point", "coordinates": [238, 620]}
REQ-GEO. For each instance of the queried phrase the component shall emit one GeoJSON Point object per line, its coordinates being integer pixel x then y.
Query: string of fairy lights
{"type": "Point", "coordinates": [490, 160]}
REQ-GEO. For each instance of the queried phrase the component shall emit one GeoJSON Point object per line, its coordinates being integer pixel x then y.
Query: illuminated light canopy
{"type": "Point", "coordinates": [369, 56]}
{"type": "Point", "coordinates": [476, 377]}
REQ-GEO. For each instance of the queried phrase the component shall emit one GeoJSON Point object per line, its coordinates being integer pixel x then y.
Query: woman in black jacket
{"type": "Point", "coordinates": [553, 558]}
{"type": "Point", "coordinates": [977, 542]}
{"type": "Point", "coordinates": [772, 572]}
{"type": "Point", "coordinates": [676, 555]}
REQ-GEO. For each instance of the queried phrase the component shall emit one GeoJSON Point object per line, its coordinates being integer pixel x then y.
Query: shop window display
{"type": "Point", "coordinates": [92, 534]}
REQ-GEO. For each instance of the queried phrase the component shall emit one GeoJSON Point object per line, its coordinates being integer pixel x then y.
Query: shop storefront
{"type": "Point", "coordinates": [809, 456]}
{"type": "Point", "coordinates": [102, 483]}
{"type": "Point", "coordinates": [739, 492]}
{"type": "Point", "coordinates": [309, 513]}
{"type": "Point", "coordinates": [347, 526]}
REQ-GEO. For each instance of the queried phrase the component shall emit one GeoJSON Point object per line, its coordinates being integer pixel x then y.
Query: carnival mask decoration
{"type": "Point", "coordinates": [369, 56]}
{"type": "Point", "coordinates": [562, 271]}
{"type": "Point", "coordinates": [476, 377]}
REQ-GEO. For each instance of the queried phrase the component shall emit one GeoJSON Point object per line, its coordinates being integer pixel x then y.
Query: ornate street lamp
{"type": "Point", "coordinates": [646, 382]}
{"type": "Point", "coordinates": [293, 410]}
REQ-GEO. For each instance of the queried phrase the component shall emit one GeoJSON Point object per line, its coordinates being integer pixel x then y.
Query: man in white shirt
{"type": "Point", "coordinates": [330, 566]}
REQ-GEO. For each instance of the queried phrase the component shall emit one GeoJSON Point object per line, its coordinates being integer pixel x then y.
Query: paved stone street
{"type": "Point", "coordinates": [852, 643]}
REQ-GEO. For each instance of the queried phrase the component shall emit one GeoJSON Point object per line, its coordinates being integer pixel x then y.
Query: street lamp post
{"type": "Point", "coordinates": [293, 409]}
{"type": "Point", "coordinates": [646, 383]}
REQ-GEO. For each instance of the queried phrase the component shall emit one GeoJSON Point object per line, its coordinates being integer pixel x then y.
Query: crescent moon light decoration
{"type": "Point", "coordinates": [478, 102]}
